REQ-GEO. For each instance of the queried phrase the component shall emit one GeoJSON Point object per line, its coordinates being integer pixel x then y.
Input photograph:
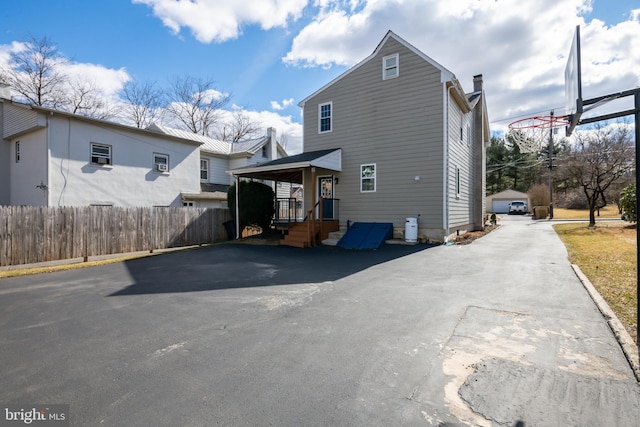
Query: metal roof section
{"type": "Point", "coordinates": [289, 169]}
{"type": "Point", "coordinates": [207, 143]}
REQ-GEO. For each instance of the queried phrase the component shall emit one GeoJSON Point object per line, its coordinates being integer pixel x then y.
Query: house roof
{"type": "Point", "coordinates": [446, 75]}
{"type": "Point", "coordinates": [216, 146]}
{"type": "Point", "coordinates": [207, 143]}
{"type": "Point", "coordinates": [289, 169]}
{"type": "Point", "coordinates": [96, 122]}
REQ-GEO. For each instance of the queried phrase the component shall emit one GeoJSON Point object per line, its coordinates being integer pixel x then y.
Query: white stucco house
{"type": "Point", "coordinates": [54, 158]}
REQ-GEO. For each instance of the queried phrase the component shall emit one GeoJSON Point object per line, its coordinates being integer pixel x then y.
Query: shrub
{"type": "Point", "coordinates": [574, 199]}
{"type": "Point", "coordinates": [628, 202]}
{"type": "Point", "coordinates": [256, 203]}
{"type": "Point", "coordinates": [539, 195]}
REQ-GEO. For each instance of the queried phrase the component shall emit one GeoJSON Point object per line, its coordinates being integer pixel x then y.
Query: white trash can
{"type": "Point", "coordinates": [411, 230]}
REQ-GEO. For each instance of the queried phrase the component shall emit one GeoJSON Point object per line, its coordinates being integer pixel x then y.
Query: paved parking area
{"type": "Point", "coordinates": [489, 333]}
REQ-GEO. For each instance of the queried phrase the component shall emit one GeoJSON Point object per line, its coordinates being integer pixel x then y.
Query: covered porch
{"type": "Point", "coordinates": [302, 224]}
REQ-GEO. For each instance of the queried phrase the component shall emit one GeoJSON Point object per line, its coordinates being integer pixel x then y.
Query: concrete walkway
{"type": "Point", "coordinates": [485, 334]}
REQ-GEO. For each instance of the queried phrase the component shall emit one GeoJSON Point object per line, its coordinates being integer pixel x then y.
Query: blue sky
{"type": "Point", "coordinates": [271, 54]}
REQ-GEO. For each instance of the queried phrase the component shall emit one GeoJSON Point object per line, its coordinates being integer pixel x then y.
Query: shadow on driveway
{"type": "Point", "coordinates": [240, 266]}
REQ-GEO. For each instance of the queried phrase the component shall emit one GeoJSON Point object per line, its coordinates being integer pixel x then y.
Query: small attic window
{"type": "Point", "coordinates": [264, 151]}
{"type": "Point", "coordinates": [390, 67]}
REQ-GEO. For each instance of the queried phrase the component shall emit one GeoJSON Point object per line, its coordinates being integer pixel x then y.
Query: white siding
{"type": "Point", "coordinates": [218, 170]}
{"type": "Point", "coordinates": [19, 119]}
{"type": "Point", "coordinates": [4, 164]}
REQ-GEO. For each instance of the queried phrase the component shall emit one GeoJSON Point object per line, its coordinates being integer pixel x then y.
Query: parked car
{"type": "Point", "coordinates": [517, 207]}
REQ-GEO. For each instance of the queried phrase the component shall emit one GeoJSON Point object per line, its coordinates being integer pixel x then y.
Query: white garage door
{"type": "Point", "coordinates": [500, 206]}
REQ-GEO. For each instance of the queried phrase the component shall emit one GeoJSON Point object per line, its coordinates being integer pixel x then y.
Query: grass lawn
{"type": "Point", "coordinates": [606, 254]}
{"type": "Point", "coordinates": [609, 211]}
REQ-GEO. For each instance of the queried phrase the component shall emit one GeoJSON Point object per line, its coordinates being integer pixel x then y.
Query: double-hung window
{"type": "Point", "coordinates": [17, 151]}
{"type": "Point", "coordinates": [204, 170]}
{"type": "Point", "coordinates": [100, 154]}
{"type": "Point", "coordinates": [324, 117]}
{"type": "Point", "coordinates": [390, 67]}
{"type": "Point", "coordinates": [368, 178]}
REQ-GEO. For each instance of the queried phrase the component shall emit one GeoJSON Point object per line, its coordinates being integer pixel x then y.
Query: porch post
{"type": "Point", "coordinates": [313, 194]}
{"type": "Point", "coordinates": [237, 213]}
{"type": "Point", "coordinates": [312, 238]}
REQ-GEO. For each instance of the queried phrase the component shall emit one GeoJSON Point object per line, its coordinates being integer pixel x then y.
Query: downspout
{"type": "Point", "coordinates": [48, 169]}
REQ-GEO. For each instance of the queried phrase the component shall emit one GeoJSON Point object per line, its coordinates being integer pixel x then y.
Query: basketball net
{"type": "Point", "coordinates": [530, 133]}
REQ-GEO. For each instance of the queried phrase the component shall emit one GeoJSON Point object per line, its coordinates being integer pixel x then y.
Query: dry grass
{"type": "Point", "coordinates": [609, 211]}
{"type": "Point", "coordinates": [606, 254]}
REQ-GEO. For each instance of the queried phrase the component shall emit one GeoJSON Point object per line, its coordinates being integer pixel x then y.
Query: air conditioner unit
{"type": "Point", "coordinates": [161, 167]}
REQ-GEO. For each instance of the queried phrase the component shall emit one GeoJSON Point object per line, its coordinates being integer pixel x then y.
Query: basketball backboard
{"type": "Point", "coordinates": [573, 83]}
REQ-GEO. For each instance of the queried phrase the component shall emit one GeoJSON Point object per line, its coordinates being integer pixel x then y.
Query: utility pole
{"type": "Point", "coordinates": [551, 167]}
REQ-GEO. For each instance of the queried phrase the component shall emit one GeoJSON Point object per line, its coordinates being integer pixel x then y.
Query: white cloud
{"type": "Point", "coordinates": [221, 20]}
{"type": "Point", "coordinates": [107, 81]}
{"type": "Point", "coordinates": [286, 103]}
{"type": "Point", "coordinates": [284, 126]}
{"type": "Point", "coordinates": [520, 47]}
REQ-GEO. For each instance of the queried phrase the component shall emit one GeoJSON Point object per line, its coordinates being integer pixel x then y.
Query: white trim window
{"type": "Point", "coordinates": [390, 67]}
{"type": "Point", "coordinates": [204, 170]}
{"type": "Point", "coordinates": [368, 178]}
{"type": "Point", "coordinates": [100, 154]}
{"type": "Point", "coordinates": [160, 162]}
{"type": "Point", "coordinates": [17, 151]}
{"type": "Point", "coordinates": [325, 115]}
{"type": "Point", "coordinates": [457, 182]}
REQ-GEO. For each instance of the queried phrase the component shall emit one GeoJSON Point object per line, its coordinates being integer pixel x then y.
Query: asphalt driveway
{"type": "Point", "coordinates": [490, 333]}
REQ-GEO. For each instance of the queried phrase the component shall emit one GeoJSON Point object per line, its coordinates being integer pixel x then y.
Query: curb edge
{"type": "Point", "coordinates": [627, 344]}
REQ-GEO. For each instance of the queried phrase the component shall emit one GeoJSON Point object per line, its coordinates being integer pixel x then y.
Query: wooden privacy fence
{"type": "Point", "coordinates": [30, 234]}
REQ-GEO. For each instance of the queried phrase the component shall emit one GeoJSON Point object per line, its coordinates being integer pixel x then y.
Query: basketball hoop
{"type": "Point", "coordinates": [532, 132]}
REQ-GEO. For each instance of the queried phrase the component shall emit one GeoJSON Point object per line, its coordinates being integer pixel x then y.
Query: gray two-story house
{"type": "Point", "coordinates": [394, 137]}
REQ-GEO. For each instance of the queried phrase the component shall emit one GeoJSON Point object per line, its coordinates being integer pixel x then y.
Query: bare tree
{"type": "Point", "coordinates": [239, 126]}
{"type": "Point", "coordinates": [85, 99]}
{"type": "Point", "coordinates": [36, 73]}
{"type": "Point", "coordinates": [195, 103]}
{"type": "Point", "coordinates": [599, 159]}
{"type": "Point", "coordinates": [143, 103]}
{"type": "Point", "coordinates": [284, 139]}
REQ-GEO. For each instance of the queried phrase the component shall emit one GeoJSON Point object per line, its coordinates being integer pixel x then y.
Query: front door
{"type": "Point", "coordinates": [325, 190]}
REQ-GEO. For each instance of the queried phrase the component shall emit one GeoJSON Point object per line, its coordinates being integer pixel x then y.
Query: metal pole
{"type": "Point", "coordinates": [637, 211]}
{"type": "Point", "coordinates": [551, 168]}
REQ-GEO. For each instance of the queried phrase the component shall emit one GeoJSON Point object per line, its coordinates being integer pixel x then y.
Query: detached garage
{"type": "Point", "coordinates": [499, 202]}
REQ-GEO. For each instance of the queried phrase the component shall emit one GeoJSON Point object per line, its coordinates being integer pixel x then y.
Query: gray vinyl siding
{"type": "Point", "coordinates": [459, 157]}
{"type": "Point", "coordinates": [397, 124]}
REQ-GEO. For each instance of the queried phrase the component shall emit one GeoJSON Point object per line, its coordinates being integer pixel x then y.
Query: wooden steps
{"type": "Point", "coordinates": [298, 234]}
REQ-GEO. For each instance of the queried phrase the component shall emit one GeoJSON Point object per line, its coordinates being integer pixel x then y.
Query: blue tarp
{"type": "Point", "coordinates": [366, 235]}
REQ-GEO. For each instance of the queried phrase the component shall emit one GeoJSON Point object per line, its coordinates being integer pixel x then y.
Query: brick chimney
{"type": "Point", "coordinates": [477, 83]}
